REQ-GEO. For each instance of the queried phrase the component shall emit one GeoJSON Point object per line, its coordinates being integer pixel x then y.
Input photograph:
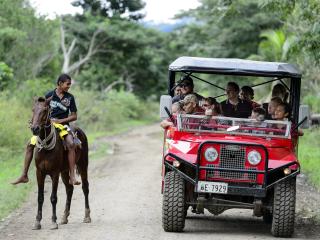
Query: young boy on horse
{"type": "Point", "coordinates": [63, 111]}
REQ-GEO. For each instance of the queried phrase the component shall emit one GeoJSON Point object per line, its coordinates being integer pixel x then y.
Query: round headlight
{"type": "Point", "coordinates": [211, 154]}
{"type": "Point", "coordinates": [254, 157]}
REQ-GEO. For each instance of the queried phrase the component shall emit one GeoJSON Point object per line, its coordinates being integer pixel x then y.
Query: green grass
{"type": "Point", "coordinates": [309, 154]}
{"type": "Point", "coordinates": [11, 197]}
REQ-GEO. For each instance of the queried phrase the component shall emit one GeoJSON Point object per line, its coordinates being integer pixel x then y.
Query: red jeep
{"type": "Point", "coordinates": [219, 163]}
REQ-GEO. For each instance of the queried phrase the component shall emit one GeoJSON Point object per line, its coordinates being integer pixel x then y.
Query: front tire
{"type": "Point", "coordinates": [284, 208]}
{"type": "Point", "coordinates": [173, 206]}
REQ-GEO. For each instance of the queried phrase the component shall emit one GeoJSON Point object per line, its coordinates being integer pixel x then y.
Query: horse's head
{"type": "Point", "coordinates": [40, 115]}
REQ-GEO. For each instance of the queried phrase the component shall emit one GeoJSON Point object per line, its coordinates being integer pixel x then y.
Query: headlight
{"type": "Point", "coordinates": [254, 157]}
{"type": "Point", "coordinates": [211, 154]}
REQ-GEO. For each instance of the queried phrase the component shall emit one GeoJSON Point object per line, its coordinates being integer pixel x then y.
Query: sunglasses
{"type": "Point", "coordinates": [183, 85]}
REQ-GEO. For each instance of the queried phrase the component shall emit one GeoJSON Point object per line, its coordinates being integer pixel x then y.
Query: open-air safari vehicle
{"type": "Point", "coordinates": [219, 163]}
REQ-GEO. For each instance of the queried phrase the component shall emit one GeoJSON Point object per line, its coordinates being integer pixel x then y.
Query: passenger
{"type": "Point", "coordinates": [176, 108]}
{"type": "Point", "coordinates": [234, 106]}
{"type": "Point", "coordinates": [282, 112]}
{"type": "Point", "coordinates": [247, 94]}
{"type": "Point", "coordinates": [258, 114]}
{"type": "Point", "coordinates": [177, 90]}
{"type": "Point", "coordinates": [272, 106]}
{"type": "Point", "coordinates": [186, 88]}
{"type": "Point", "coordinates": [189, 106]}
{"type": "Point", "coordinates": [211, 107]}
{"type": "Point", "coordinates": [280, 91]}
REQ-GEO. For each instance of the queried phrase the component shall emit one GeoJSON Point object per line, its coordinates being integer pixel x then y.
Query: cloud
{"type": "Point", "coordinates": [164, 10]}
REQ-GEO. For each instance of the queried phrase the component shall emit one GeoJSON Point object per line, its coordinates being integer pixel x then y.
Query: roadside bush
{"type": "Point", "coordinates": [309, 154]}
{"type": "Point", "coordinates": [33, 88]}
{"type": "Point", "coordinates": [99, 111]}
{"type": "Point", "coordinates": [313, 101]}
{"type": "Point", "coordinates": [14, 129]}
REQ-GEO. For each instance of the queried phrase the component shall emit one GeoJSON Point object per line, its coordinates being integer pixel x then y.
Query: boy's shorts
{"type": "Point", "coordinates": [63, 131]}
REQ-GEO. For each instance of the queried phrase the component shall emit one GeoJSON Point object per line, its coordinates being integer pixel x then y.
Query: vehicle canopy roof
{"type": "Point", "coordinates": [233, 66]}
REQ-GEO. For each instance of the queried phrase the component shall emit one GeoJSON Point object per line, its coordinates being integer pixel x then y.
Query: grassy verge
{"type": "Point", "coordinates": [309, 154]}
{"type": "Point", "coordinates": [11, 196]}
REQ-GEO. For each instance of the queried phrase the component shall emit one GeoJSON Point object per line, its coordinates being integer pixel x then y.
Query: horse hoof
{"type": "Point", "coordinates": [87, 220]}
{"type": "Point", "coordinates": [36, 226]}
{"type": "Point", "coordinates": [54, 226]}
{"type": "Point", "coordinates": [64, 221]}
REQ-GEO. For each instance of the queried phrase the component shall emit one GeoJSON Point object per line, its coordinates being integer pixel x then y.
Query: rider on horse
{"type": "Point", "coordinates": [63, 111]}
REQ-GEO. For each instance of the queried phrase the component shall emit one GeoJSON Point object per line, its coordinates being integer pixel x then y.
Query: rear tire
{"type": "Point", "coordinates": [284, 208]}
{"type": "Point", "coordinates": [173, 206]}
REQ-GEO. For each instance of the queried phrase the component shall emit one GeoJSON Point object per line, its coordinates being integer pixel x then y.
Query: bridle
{"type": "Point", "coordinates": [49, 141]}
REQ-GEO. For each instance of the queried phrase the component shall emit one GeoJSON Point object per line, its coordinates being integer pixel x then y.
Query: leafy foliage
{"type": "Point", "coordinates": [27, 43]}
{"type": "Point", "coordinates": [112, 8]}
{"type": "Point", "coordinates": [6, 76]}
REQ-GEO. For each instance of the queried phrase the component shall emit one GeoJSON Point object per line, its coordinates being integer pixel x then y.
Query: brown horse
{"type": "Point", "coordinates": [51, 159]}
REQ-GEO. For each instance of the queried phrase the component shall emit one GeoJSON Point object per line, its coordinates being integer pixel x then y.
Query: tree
{"type": "Point", "coordinates": [225, 28]}
{"type": "Point", "coordinates": [27, 43]}
{"type": "Point", "coordinates": [275, 46]}
{"type": "Point", "coordinates": [112, 8]}
{"type": "Point", "coordinates": [6, 76]}
{"type": "Point", "coordinates": [92, 48]}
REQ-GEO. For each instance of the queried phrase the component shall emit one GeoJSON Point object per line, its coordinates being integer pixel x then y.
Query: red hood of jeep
{"type": "Point", "coordinates": [186, 146]}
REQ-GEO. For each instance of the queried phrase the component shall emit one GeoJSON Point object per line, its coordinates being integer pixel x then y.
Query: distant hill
{"type": "Point", "coordinates": [166, 27]}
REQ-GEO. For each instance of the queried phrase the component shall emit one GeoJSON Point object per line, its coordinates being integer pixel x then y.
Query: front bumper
{"type": "Point", "coordinates": [234, 188]}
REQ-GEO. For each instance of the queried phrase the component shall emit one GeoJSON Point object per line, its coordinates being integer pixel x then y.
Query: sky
{"type": "Point", "coordinates": [158, 11]}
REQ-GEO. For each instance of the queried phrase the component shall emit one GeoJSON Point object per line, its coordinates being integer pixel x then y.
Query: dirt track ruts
{"type": "Point", "coordinates": [126, 202]}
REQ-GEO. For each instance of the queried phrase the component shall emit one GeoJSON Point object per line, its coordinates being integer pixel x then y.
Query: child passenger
{"type": "Point", "coordinates": [211, 107]}
{"type": "Point", "coordinates": [283, 113]}
{"type": "Point", "coordinates": [272, 106]}
{"type": "Point", "coordinates": [258, 113]}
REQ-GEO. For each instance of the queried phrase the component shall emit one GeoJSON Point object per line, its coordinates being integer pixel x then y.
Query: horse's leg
{"type": "Point", "coordinates": [54, 199]}
{"type": "Point", "coordinates": [85, 189]}
{"type": "Point", "coordinates": [40, 180]}
{"type": "Point", "coordinates": [69, 192]}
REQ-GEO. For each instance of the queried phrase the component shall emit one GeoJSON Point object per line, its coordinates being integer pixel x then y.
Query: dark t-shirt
{"type": "Point", "coordinates": [61, 108]}
{"type": "Point", "coordinates": [242, 110]}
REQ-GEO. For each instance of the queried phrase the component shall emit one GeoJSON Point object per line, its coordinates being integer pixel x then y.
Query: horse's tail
{"type": "Point", "coordinates": [82, 163]}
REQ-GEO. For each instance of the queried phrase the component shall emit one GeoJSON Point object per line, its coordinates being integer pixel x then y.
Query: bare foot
{"type": "Point", "coordinates": [22, 179]}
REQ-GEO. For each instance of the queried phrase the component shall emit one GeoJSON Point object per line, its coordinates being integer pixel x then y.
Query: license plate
{"type": "Point", "coordinates": [213, 187]}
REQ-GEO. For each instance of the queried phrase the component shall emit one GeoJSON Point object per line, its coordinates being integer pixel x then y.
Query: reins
{"type": "Point", "coordinates": [49, 142]}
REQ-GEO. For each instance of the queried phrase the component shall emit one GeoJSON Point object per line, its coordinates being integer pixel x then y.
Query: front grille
{"type": "Point", "coordinates": [232, 157]}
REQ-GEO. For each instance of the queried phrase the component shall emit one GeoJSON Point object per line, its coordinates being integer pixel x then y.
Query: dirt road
{"type": "Point", "coordinates": [126, 203]}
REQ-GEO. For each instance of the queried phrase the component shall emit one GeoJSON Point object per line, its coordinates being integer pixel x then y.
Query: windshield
{"type": "Point", "coordinates": [233, 126]}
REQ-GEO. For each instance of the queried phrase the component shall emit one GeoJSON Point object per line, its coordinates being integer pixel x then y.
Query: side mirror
{"type": "Point", "coordinates": [165, 101]}
{"type": "Point", "coordinates": [304, 112]}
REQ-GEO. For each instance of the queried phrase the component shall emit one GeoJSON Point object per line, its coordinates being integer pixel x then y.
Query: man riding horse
{"type": "Point", "coordinates": [63, 111]}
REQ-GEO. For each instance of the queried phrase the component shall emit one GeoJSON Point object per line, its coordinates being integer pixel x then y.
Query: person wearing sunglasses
{"type": "Point", "coordinates": [211, 106]}
{"type": "Point", "coordinates": [233, 106]}
{"type": "Point", "coordinates": [187, 87]}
